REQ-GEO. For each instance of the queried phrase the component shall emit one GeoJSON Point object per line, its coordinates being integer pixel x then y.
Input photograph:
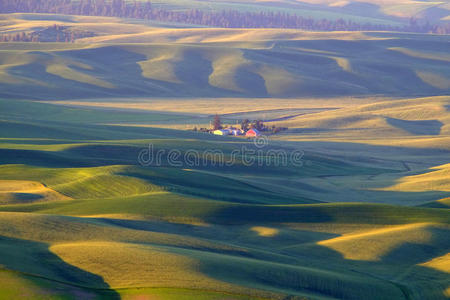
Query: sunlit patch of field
{"type": "Point", "coordinates": [271, 75]}
{"type": "Point", "coordinates": [88, 183]}
{"type": "Point", "coordinates": [409, 109]}
{"type": "Point", "coordinates": [161, 66]}
{"type": "Point", "coordinates": [16, 191]}
{"type": "Point", "coordinates": [219, 35]}
{"type": "Point", "coordinates": [436, 179]}
{"type": "Point", "coordinates": [401, 122]}
{"type": "Point", "coordinates": [64, 70]}
{"type": "Point", "coordinates": [435, 80]}
{"type": "Point", "coordinates": [374, 244]}
{"type": "Point", "coordinates": [15, 185]}
{"type": "Point", "coordinates": [441, 203]}
{"type": "Point", "coordinates": [425, 55]}
{"type": "Point", "coordinates": [441, 263]}
{"type": "Point", "coordinates": [219, 105]}
{"type": "Point", "coordinates": [265, 231]}
{"type": "Point", "coordinates": [86, 229]}
{"type": "Point", "coordinates": [343, 63]}
{"type": "Point", "coordinates": [180, 268]}
{"type": "Point", "coordinates": [124, 265]}
{"type": "Point", "coordinates": [181, 294]}
{"type": "Point", "coordinates": [224, 71]}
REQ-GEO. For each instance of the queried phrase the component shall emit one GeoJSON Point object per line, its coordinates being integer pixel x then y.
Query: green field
{"type": "Point", "coordinates": [364, 215]}
{"type": "Point", "coordinates": [78, 212]}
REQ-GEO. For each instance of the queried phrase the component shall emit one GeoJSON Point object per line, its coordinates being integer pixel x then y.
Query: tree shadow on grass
{"type": "Point", "coordinates": [38, 263]}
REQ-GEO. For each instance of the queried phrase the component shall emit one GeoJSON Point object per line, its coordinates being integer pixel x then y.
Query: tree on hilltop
{"type": "Point", "coordinates": [245, 124]}
{"type": "Point", "coordinates": [217, 124]}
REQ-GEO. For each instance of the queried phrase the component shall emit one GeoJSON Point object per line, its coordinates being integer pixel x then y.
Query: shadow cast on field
{"type": "Point", "coordinates": [321, 271]}
{"type": "Point", "coordinates": [35, 260]}
{"type": "Point", "coordinates": [418, 127]}
{"type": "Point", "coordinates": [304, 267]}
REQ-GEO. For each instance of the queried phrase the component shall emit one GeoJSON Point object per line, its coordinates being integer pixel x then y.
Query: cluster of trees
{"type": "Point", "coordinates": [245, 124]}
{"type": "Point", "coordinates": [260, 126]}
{"type": "Point", "coordinates": [227, 19]}
{"type": "Point", "coordinates": [54, 33]}
{"type": "Point", "coordinates": [256, 124]}
{"type": "Point", "coordinates": [18, 37]}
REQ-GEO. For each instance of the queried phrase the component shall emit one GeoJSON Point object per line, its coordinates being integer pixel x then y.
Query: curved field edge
{"type": "Point", "coordinates": [285, 272]}
{"type": "Point", "coordinates": [17, 285]}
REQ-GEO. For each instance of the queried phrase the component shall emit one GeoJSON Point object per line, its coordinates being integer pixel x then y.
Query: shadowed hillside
{"type": "Point", "coordinates": [229, 63]}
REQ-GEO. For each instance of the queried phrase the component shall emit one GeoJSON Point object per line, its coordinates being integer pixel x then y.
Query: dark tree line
{"type": "Point", "coordinates": [226, 19]}
{"type": "Point", "coordinates": [54, 33]}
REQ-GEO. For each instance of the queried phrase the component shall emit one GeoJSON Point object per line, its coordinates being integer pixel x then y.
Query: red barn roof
{"type": "Point", "coordinates": [253, 132]}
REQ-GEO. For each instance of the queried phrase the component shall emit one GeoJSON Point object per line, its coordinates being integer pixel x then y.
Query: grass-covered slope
{"type": "Point", "coordinates": [427, 117]}
{"type": "Point", "coordinates": [288, 262]}
{"type": "Point", "coordinates": [79, 213]}
{"type": "Point", "coordinates": [283, 69]}
{"type": "Point", "coordinates": [151, 61]}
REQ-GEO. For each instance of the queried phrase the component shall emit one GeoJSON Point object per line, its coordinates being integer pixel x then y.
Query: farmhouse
{"type": "Point", "coordinates": [252, 133]}
{"type": "Point", "coordinates": [236, 132]}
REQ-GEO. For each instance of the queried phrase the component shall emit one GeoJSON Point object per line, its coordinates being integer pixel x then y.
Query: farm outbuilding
{"type": "Point", "coordinates": [237, 132]}
{"type": "Point", "coordinates": [222, 132]}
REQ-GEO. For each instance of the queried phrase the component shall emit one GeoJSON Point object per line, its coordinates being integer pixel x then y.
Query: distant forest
{"type": "Point", "coordinates": [226, 19]}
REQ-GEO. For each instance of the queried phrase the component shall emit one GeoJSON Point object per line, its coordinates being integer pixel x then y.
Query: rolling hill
{"type": "Point", "coordinates": [157, 62]}
{"type": "Point", "coordinates": [106, 192]}
{"type": "Point", "coordinates": [80, 213]}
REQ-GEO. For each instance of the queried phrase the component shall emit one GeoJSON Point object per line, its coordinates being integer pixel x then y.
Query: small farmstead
{"type": "Point", "coordinates": [246, 128]}
{"type": "Point", "coordinates": [237, 132]}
